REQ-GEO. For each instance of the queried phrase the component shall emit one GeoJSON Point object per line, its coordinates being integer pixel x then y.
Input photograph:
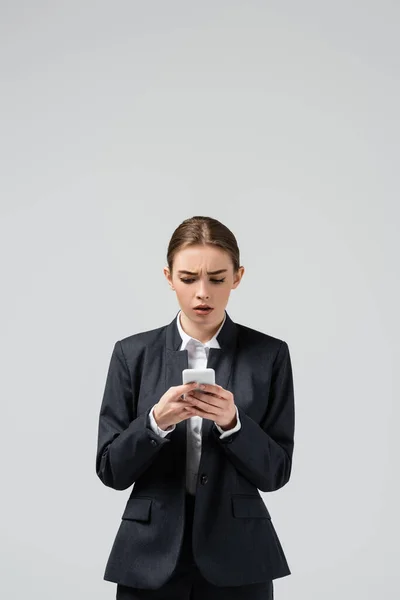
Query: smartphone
{"type": "Point", "coordinates": [200, 375]}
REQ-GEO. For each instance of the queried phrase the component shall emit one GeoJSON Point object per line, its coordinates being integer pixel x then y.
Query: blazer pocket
{"type": "Point", "coordinates": [137, 509]}
{"type": "Point", "coordinates": [249, 506]}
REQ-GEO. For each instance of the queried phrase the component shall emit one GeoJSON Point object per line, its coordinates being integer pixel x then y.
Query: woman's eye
{"type": "Point", "coordinates": [213, 280]}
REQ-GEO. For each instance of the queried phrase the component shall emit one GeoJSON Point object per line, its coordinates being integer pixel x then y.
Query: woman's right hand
{"type": "Point", "coordinates": [171, 408]}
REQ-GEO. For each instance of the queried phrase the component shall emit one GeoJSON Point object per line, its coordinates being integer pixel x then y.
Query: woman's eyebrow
{"type": "Point", "coordinates": [208, 272]}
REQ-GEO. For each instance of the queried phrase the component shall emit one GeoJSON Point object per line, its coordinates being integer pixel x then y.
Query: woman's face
{"type": "Point", "coordinates": [194, 284]}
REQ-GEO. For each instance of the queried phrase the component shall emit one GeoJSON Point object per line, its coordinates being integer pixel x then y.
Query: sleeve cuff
{"type": "Point", "coordinates": [225, 433]}
{"type": "Point", "coordinates": [156, 428]}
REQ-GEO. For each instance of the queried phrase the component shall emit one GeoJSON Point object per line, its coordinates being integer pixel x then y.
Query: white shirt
{"type": "Point", "coordinates": [197, 359]}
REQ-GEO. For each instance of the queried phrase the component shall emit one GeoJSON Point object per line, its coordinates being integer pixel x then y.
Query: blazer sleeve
{"type": "Point", "coordinates": [126, 444]}
{"type": "Point", "coordinates": [263, 452]}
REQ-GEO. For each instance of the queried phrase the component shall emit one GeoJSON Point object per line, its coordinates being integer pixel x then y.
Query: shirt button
{"type": "Point", "coordinates": [203, 479]}
{"type": "Point", "coordinates": [153, 442]}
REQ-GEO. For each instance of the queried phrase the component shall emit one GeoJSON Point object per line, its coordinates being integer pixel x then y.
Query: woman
{"type": "Point", "coordinates": [195, 525]}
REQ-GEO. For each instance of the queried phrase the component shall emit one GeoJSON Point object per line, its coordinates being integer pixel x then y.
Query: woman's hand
{"type": "Point", "coordinates": [214, 403]}
{"type": "Point", "coordinates": [171, 409]}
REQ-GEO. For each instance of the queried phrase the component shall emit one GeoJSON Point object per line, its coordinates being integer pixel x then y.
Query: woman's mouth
{"type": "Point", "coordinates": [203, 311]}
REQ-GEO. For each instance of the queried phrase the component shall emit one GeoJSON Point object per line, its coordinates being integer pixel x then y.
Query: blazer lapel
{"type": "Point", "coordinates": [220, 359]}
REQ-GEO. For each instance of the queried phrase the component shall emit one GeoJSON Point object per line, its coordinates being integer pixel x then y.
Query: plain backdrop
{"type": "Point", "coordinates": [118, 121]}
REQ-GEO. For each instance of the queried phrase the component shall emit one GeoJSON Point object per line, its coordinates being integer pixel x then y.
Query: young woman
{"type": "Point", "coordinates": [195, 525]}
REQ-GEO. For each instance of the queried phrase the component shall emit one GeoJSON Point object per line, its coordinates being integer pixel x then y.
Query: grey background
{"type": "Point", "coordinates": [118, 121]}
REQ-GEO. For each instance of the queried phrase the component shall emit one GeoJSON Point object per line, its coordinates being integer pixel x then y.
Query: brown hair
{"type": "Point", "coordinates": [203, 231]}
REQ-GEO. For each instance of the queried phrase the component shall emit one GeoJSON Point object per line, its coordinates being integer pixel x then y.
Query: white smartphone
{"type": "Point", "coordinates": [200, 375]}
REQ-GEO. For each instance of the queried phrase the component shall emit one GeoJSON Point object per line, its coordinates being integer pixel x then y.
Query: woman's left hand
{"type": "Point", "coordinates": [214, 403]}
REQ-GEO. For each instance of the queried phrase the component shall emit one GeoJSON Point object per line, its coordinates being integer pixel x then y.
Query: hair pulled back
{"type": "Point", "coordinates": [203, 231]}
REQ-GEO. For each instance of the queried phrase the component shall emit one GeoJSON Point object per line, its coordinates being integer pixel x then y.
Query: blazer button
{"type": "Point", "coordinates": [203, 479]}
{"type": "Point", "coordinates": [153, 442]}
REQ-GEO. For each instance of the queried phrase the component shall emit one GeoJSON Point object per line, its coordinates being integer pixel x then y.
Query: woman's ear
{"type": "Point", "coordinates": [168, 277]}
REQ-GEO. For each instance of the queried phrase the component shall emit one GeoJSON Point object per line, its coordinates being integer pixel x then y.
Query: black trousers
{"type": "Point", "coordinates": [187, 583]}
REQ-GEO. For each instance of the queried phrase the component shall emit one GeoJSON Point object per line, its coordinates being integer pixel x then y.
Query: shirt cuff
{"type": "Point", "coordinates": [156, 428]}
{"type": "Point", "coordinates": [226, 432]}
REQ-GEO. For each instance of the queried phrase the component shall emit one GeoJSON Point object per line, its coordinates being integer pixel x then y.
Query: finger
{"type": "Point", "coordinates": [212, 390]}
{"type": "Point", "coordinates": [203, 408]}
{"type": "Point", "coordinates": [185, 388]}
{"type": "Point", "coordinates": [206, 414]}
{"type": "Point", "coordinates": [205, 399]}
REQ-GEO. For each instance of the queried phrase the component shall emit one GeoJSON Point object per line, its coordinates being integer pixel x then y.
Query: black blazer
{"type": "Point", "coordinates": [234, 539]}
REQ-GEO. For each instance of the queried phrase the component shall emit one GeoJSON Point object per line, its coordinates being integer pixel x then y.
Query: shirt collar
{"type": "Point", "coordinates": [212, 343]}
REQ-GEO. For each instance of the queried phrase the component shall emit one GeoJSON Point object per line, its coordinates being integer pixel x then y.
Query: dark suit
{"type": "Point", "coordinates": [234, 540]}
